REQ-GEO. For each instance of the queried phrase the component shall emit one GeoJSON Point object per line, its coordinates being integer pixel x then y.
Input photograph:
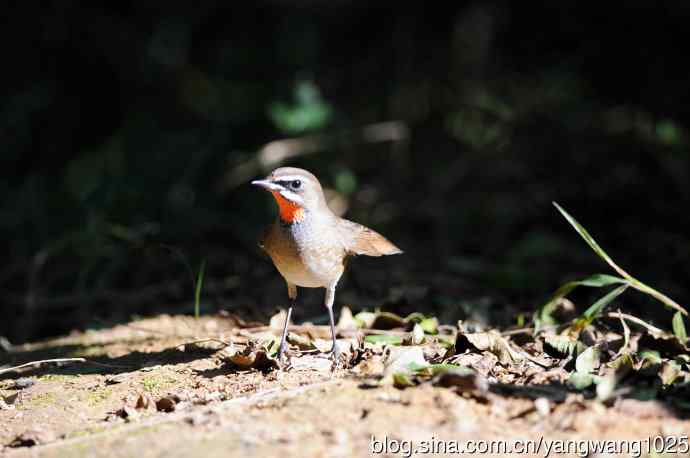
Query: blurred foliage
{"type": "Point", "coordinates": [120, 123]}
{"type": "Point", "coordinates": [309, 112]}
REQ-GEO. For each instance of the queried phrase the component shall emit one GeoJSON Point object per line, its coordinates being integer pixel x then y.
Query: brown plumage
{"type": "Point", "coordinates": [362, 240]}
{"type": "Point", "coordinates": [308, 244]}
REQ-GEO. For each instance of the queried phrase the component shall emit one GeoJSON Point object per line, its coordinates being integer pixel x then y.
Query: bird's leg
{"type": "Point", "coordinates": [283, 337]}
{"type": "Point", "coordinates": [334, 348]}
{"type": "Point", "coordinates": [330, 297]}
{"type": "Point", "coordinates": [292, 293]}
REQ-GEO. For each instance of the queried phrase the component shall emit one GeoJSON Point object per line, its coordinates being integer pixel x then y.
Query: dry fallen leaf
{"type": "Point", "coordinates": [414, 337]}
{"type": "Point", "coordinates": [257, 359]}
{"type": "Point", "coordinates": [117, 378]}
{"type": "Point", "coordinates": [490, 341]}
{"type": "Point", "coordinates": [254, 357]}
{"type": "Point", "coordinates": [35, 435]}
{"type": "Point", "coordinates": [370, 367]}
{"type": "Point", "coordinates": [167, 403]}
{"type": "Point", "coordinates": [401, 358]}
{"type": "Point", "coordinates": [463, 379]}
{"type": "Point", "coordinates": [145, 402]}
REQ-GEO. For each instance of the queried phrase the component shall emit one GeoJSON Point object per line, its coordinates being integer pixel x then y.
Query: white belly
{"type": "Point", "coordinates": [299, 275]}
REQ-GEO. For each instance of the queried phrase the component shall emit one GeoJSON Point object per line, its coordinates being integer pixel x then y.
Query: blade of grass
{"type": "Point", "coordinates": [197, 288]}
{"type": "Point", "coordinates": [679, 327]}
{"type": "Point", "coordinates": [595, 281]}
{"type": "Point", "coordinates": [384, 338]}
{"type": "Point", "coordinates": [635, 283]}
{"type": "Point", "coordinates": [543, 314]}
{"type": "Point", "coordinates": [597, 308]}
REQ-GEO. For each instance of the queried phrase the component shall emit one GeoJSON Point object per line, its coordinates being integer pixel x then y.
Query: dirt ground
{"type": "Point", "coordinates": [155, 387]}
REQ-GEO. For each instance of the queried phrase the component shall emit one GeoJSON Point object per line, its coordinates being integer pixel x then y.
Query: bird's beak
{"type": "Point", "coordinates": [268, 185]}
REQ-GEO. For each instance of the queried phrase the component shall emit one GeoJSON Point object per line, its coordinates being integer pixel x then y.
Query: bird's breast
{"type": "Point", "coordinates": [306, 256]}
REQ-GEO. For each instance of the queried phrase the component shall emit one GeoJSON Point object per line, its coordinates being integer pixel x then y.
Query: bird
{"type": "Point", "coordinates": [310, 245]}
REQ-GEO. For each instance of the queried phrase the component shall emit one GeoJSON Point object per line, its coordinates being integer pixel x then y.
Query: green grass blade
{"type": "Point", "coordinates": [197, 288]}
{"type": "Point", "coordinates": [543, 313]}
{"type": "Point", "coordinates": [635, 283]}
{"type": "Point", "coordinates": [383, 338]}
{"type": "Point", "coordinates": [679, 327]}
{"type": "Point", "coordinates": [587, 237]}
{"type": "Point", "coordinates": [599, 280]}
{"type": "Point", "coordinates": [597, 308]}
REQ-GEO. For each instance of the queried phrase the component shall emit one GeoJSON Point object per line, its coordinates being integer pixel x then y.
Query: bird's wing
{"type": "Point", "coordinates": [362, 240]}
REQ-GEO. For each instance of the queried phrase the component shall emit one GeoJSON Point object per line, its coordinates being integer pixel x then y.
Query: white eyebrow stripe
{"type": "Point", "coordinates": [289, 195]}
{"type": "Point", "coordinates": [291, 178]}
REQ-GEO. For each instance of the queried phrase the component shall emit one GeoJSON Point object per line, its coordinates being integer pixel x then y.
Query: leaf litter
{"type": "Point", "coordinates": [522, 375]}
{"type": "Point", "coordinates": [564, 358]}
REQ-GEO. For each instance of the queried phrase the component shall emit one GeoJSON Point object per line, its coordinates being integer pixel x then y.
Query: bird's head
{"type": "Point", "coordinates": [296, 191]}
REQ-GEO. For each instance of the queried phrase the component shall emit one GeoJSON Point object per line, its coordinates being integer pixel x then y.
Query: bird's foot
{"type": "Point", "coordinates": [282, 350]}
{"type": "Point", "coordinates": [334, 354]}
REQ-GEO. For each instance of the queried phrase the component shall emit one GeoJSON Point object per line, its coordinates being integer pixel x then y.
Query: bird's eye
{"type": "Point", "coordinates": [296, 184]}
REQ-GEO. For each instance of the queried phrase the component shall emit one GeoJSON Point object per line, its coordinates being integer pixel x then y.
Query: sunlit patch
{"type": "Point", "coordinates": [290, 211]}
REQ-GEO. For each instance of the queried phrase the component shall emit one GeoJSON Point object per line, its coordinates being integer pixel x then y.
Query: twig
{"type": "Point", "coordinates": [626, 333]}
{"type": "Point", "coordinates": [635, 320]}
{"type": "Point", "coordinates": [65, 360]}
{"type": "Point", "coordinates": [111, 366]}
{"type": "Point", "coordinates": [194, 342]}
{"type": "Point", "coordinates": [247, 332]}
{"type": "Point", "coordinates": [529, 330]}
{"type": "Point", "coordinates": [44, 361]}
{"type": "Point", "coordinates": [512, 332]}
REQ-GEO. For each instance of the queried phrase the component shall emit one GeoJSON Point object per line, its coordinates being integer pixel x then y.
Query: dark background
{"type": "Point", "coordinates": [129, 134]}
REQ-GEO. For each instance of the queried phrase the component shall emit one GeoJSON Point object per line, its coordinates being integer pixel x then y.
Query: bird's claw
{"type": "Point", "coordinates": [334, 354]}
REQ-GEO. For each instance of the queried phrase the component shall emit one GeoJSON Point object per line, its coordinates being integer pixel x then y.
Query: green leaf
{"type": "Point", "coordinates": [383, 338]}
{"type": "Point", "coordinates": [652, 356]}
{"type": "Point", "coordinates": [431, 369]}
{"type": "Point", "coordinates": [588, 361]}
{"type": "Point", "coordinates": [430, 325]}
{"type": "Point", "coordinates": [402, 380]}
{"type": "Point", "coordinates": [365, 319]}
{"type": "Point", "coordinates": [415, 317]}
{"type": "Point", "coordinates": [614, 373]}
{"type": "Point", "coordinates": [679, 327]}
{"type": "Point", "coordinates": [562, 346]}
{"type": "Point", "coordinates": [580, 381]}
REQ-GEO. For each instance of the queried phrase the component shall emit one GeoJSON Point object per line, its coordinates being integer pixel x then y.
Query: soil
{"type": "Point", "coordinates": [157, 387]}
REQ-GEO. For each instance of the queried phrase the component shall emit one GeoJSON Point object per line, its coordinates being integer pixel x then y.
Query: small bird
{"type": "Point", "coordinates": [309, 245]}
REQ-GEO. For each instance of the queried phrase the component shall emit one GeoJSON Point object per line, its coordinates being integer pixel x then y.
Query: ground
{"type": "Point", "coordinates": [158, 387]}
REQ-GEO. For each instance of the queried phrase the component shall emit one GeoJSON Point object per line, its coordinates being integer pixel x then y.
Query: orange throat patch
{"type": "Point", "coordinates": [290, 212]}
